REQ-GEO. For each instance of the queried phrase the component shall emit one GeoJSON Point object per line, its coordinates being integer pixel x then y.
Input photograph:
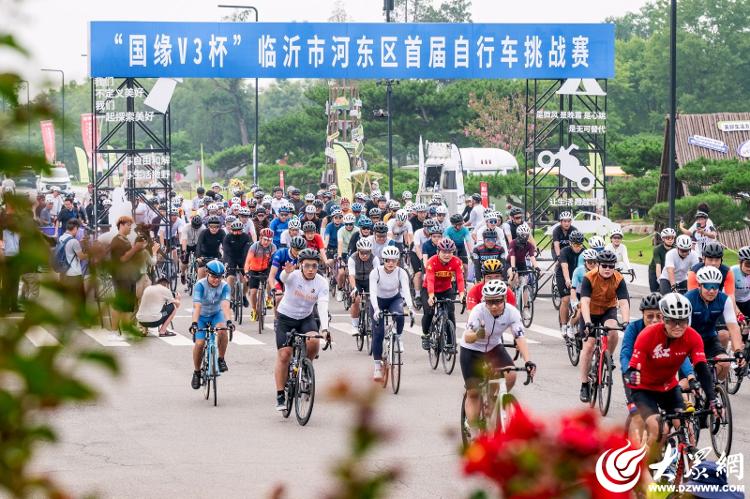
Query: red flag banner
{"type": "Point", "coordinates": [48, 139]}
{"type": "Point", "coordinates": [485, 195]}
{"type": "Point", "coordinates": [281, 180]}
{"type": "Point", "coordinates": [89, 133]}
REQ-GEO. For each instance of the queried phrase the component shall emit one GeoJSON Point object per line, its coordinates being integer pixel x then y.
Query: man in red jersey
{"type": "Point", "coordinates": [658, 353]}
{"type": "Point", "coordinates": [440, 272]}
{"type": "Point", "coordinates": [492, 269]}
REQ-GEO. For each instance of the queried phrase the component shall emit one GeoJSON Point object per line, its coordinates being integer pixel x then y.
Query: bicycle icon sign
{"type": "Point", "coordinates": [570, 167]}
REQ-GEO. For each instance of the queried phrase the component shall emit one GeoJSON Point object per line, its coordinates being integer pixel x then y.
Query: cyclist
{"type": "Point", "coordinates": [296, 312]}
{"type": "Point", "coordinates": [343, 238]}
{"type": "Point", "coordinates": [741, 273]}
{"type": "Point", "coordinates": [198, 200]}
{"type": "Point", "coordinates": [419, 216]}
{"type": "Point", "coordinates": [279, 261]}
{"type": "Point", "coordinates": [461, 237]}
{"type": "Point", "coordinates": [331, 241]}
{"type": "Point", "coordinates": [441, 215]}
{"type": "Point", "coordinates": [590, 257]}
{"type": "Point", "coordinates": [360, 264]}
{"type": "Point", "coordinates": [259, 222]}
{"type": "Point", "coordinates": [617, 247]}
{"type": "Point", "coordinates": [713, 255]}
{"type": "Point", "coordinates": [209, 244]}
{"type": "Point", "coordinates": [313, 239]}
{"type": "Point", "coordinates": [390, 212]}
{"type": "Point", "coordinates": [375, 214]}
{"type": "Point", "coordinates": [656, 265]}
{"type": "Point", "coordinates": [521, 249]}
{"type": "Point", "coordinates": [515, 219]}
{"type": "Point", "coordinates": [415, 255]}
{"type": "Point", "coordinates": [477, 211]}
{"type": "Point", "coordinates": [488, 250]}
{"type": "Point", "coordinates": [258, 266]}
{"type": "Point", "coordinates": [702, 231]}
{"type": "Point", "coordinates": [491, 270]}
{"type": "Point", "coordinates": [189, 241]}
{"type": "Point", "coordinates": [430, 247]}
{"type": "Point", "coordinates": [357, 212]}
{"type": "Point", "coordinates": [596, 243]}
{"type": "Point", "coordinates": [391, 288]}
{"type": "Point", "coordinates": [311, 215]}
{"type": "Point", "coordinates": [602, 290]}
{"type": "Point", "coordinates": [566, 264]}
{"type": "Point", "coordinates": [490, 222]}
{"type": "Point", "coordinates": [561, 233]}
{"type": "Point", "coordinates": [280, 224]}
{"type": "Point", "coordinates": [380, 238]}
{"type": "Point", "coordinates": [440, 271]}
{"type": "Point", "coordinates": [677, 263]}
{"type": "Point", "coordinates": [709, 306]}
{"type": "Point", "coordinates": [659, 351]}
{"type": "Point", "coordinates": [365, 231]}
{"type": "Point", "coordinates": [400, 230]}
{"type": "Point", "coordinates": [234, 247]}
{"type": "Point", "coordinates": [210, 306]}
{"type": "Point", "coordinates": [292, 230]}
{"type": "Point", "coordinates": [482, 343]}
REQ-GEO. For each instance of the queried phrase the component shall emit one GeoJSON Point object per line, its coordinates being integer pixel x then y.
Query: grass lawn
{"type": "Point", "coordinates": [640, 250]}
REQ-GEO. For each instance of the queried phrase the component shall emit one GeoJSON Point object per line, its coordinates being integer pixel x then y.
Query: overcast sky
{"type": "Point", "coordinates": [55, 31]}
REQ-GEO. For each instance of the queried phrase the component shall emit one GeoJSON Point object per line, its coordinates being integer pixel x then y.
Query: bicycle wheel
{"type": "Point", "coordinates": [593, 378]}
{"type": "Point", "coordinates": [556, 300]}
{"type": "Point", "coordinates": [734, 379]}
{"type": "Point", "coordinates": [573, 346]}
{"type": "Point", "coordinates": [395, 366]}
{"type": "Point", "coordinates": [360, 337]}
{"type": "Point", "coordinates": [605, 385]}
{"type": "Point", "coordinates": [527, 312]}
{"type": "Point", "coordinates": [509, 407]}
{"type": "Point", "coordinates": [435, 346]}
{"type": "Point", "coordinates": [449, 350]}
{"type": "Point", "coordinates": [721, 428]}
{"type": "Point", "coordinates": [305, 396]}
{"type": "Point", "coordinates": [289, 392]}
{"type": "Point", "coordinates": [260, 307]}
{"type": "Point", "coordinates": [466, 436]}
{"type": "Point", "coordinates": [385, 361]}
{"type": "Point", "coordinates": [368, 334]}
{"type": "Point", "coordinates": [235, 301]}
{"type": "Point", "coordinates": [216, 392]}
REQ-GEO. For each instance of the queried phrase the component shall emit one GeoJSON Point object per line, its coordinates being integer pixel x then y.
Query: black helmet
{"type": "Point", "coordinates": [196, 221]}
{"type": "Point", "coordinates": [476, 198]}
{"type": "Point", "coordinates": [308, 254]}
{"type": "Point", "coordinates": [576, 237]}
{"type": "Point", "coordinates": [456, 219]}
{"type": "Point", "coordinates": [260, 211]}
{"type": "Point", "coordinates": [375, 212]}
{"type": "Point", "coordinates": [651, 302]}
{"type": "Point", "coordinates": [713, 249]}
{"type": "Point", "coordinates": [607, 256]}
{"type": "Point", "coordinates": [489, 234]}
{"type": "Point", "coordinates": [318, 203]}
{"type": "Point", "coordinates": [380, 228]}
{"type": "Point", "coordinates": [200, 190]}
{"type": "Point", "coordinates": [309, 227]}
{"type": "Point", "coordinates": [298, 243]}
{"type": "Point", "coordinates": [213, 220]}
{"type": "Point", "coordinates": [516, 211]}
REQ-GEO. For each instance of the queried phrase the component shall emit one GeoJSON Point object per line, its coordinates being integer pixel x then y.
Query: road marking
{"type": "Point", "coordinates": [177, 340]}
{"type": "Point", "coordinates": [243, 339]}
{"type": "Point", "coordinates": [546, 331]}
{"type": "Point", "coordinates": [40, 337]}
{"type": "Point", "coordinates": [342, 327]}
{"type": "Point", "coordinates": [106, 338]}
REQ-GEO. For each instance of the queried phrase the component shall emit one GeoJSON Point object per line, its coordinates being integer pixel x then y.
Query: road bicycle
{"type": "Point", "coordinates": [237, 294]}
{"type": "Point", "coordinates": [525, 293]}
{"type": "Point", "coordinates": [364, 331]}
{"type": "Point", "coordinates": [737, 374]}
{"type": "Point", "coordinates": [347, 289]}
{"type": "Point", "coordinates": [556, 298]}
{"type": "Point", "coordinates": [191, 274]}
{"type": "Point", "coordinates": [166, 267]}
{"type": "Point", "coordinates": [497, 405]}
{"type": "Point", "coordinates": [600, 372]}
{"type": "Point", "coordinates": [720, 428]}
{"type": "Point", "coordinates": [574, 344]}
{"type": "Point", "coordinates": [260, 300]}
{"type": "Point", "coordinates": [442, 333]}
{"type": "Point", "coordinates": [679, 439]}
{"type": "Point", "coordinates": [210, 364]}
{"type": "Point", "coordinates": [300, 382]}
{"type": "Point", "coordinates": [391, 359]}
{"type": "Point", "coordinates": [629, 272]}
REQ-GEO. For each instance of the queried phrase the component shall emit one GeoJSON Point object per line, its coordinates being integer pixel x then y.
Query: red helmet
{"type": "Point", "coordinates": [266, 232]}
{"type": "Point", "coordinates": [446, 244]}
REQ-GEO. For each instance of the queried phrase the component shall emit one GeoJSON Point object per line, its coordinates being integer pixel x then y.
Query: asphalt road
{"type": "Point", "coordinates": [151, 435]}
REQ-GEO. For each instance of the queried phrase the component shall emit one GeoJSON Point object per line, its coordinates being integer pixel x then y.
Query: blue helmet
{"type": "Point", "coordinates": [215, 268]}
{"type": "Point", "coordinates": [432, 211]}
{"type": "Point", "coordinates": [357, 207]}
{"type": "Point", "coordinates": [365, 223]}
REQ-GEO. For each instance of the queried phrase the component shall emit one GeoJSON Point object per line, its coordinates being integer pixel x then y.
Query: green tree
{"type": "Point", "coordinates": [500, 121]}
{"type": "Point", "coordinates": [724, 210]}
{"type": "Point", "coordinates": [425, 11]}
{"type": "Point", "coordinates": [632, 194]}
{"type": "Point", "coordinates": [637, 154]}
{"type": "Point", "coordinates": [228, 162]}
{"type": "Point", "coordinates": [706, 173]}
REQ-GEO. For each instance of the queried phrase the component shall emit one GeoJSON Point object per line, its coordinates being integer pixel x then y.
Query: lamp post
{"type": "Point", "coordinates": [257, 123]}
{"type": "Point", "coordinates": [672, 109]}
{"type": "Point", "coordinates": [28, 116]}
{"type": "Point", "coordinates": [62, 74]}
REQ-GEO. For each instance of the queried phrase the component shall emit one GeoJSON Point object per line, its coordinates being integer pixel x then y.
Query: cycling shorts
{"type": "Point", "coordinates": [205, 259]}
{"type": "Point", "coordinates": [744, 308]}
{"type": "Point", "coordinates": [562, 289]}
{"type": "Point", "coordinates": [256, 277]}
{"type": "Point", "coordinates": [284, 325]}
{"type": "Point", "coordinates": [598, 319]}
{"type": "Point", "coordinates": [472, 362]}
{"type": "Point", "coordinates": [233, 267]}
{"type": "Point", "coordinates": [712, 347]}
{"type": "Point", "coordinates": [204, 320]}
{"type": "Point", "coordinates": [331, 252]}
{"type": "Point", "coordinates": [649, 402]}
{"type": "Point", "coordinates": [362, 285]}
{"type": "Point", "coordinates": [416, 263]}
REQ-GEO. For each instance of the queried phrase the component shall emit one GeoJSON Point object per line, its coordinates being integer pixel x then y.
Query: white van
{"type": "Point", "coordinates": [58, 176]}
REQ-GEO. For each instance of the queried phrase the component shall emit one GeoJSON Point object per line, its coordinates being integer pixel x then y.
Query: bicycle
{"type": "Point", "coordinates": [497, 405]}
{"type": "Point", "coordinates": [167, 268]}
{"type": "Point", "coordinates": [679, 438]}
{"type": "Point", "coordinates": [210, 364]}
{"type": "Point", "coordinates": [260, 300]}
{"type": "Point", "coordinates": [238, 293]}
{"type": "Point", "coordinates": [300, 382]}
{"type": "Point", "coordinates": [573, 345]}
{"type": "Point", "coordinates": [347, 289]}
{"type": "Point", "coordinates": [556, 298]}
{"type": "Point", "coordinates": [441, 329]}
{"type": "Point", "coordinates": [525, 294]}
{"type": "Point", "coordinates": [191, 276]}
{"type": "Point", "coordinates": [720, 428]}
{"type": "Point", "coordinates": [736, 374]}
{"type": "Point", "coordinates": [629, 272]}
{"type": "Point", "coordinates": [391, 355]}
{"type": "Point", "coordinates": [600, 372]}
{"type": "Point", "coordinates": [364, 331]}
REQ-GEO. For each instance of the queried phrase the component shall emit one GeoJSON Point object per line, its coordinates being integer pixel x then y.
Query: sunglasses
{"type": "Point", "coordinates": [676, 322]}
{"type": "Point", "coordinates": [348, 225]}
{"type": "Point", "coordinates": [310, 266]}
{"type": "Point", "coordinates": [494, 302]}
{"type": "Point", "coordinates": [607, 265]}
{"type": "Point", "coordinates": [711, 286]}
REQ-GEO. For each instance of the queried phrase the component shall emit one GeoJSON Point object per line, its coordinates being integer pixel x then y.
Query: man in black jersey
{"type": "Point", "coordinates": [209, 244]}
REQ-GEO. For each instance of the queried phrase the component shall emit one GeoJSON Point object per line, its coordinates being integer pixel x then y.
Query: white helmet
{"type": "Point", "coordinates": [294, 223]}
{"type": "Point", "coordinates": [709, 275]}
{"type": "Point", "coordinates": [310, 209]}
{"type": "Point", "coordinates": [615, 232]}
{"type": "Point", "coordinates": [668, 232]}
{"type": "Point", "coordinates": [49, 198]}
{"type": "Point", "coordinates": [390, 253]}
{"type": "Point", "coordinates": [494, 289]}
{"type": "Point", "coordinates": [590, 254]}
{"type": "Point", "coordinates": [441, 210]}
{"type": "Point", "coordinates": [349, 219]}
{"type": "Point", "coordinates": [394, 205]}
{"type": "Point", "coordinates": [235, 200]}
{"type": "Point", "coordinates": [684, 242]}
{"type": "Point", "coordinates": [420, 207]}
{"type": "Point", "coordinates": [267, 199]}
{"type": "Point", "coordinates": [406, 195]}
{"type": "Point", "coordinates": [487, 214]}
{"type": "Point", "coordinates": [401, 215]}
{"type": "Point", "coordinates": [213, 207]}
{"type": "Point", "coordinates": [437, 197]}
{"type": "Point", "coordinates": [409, 207]}
{"type": "Point", "coordinates": [364, 244]}
{"type": "Point", "coordinates": [596, 242]}
{"type": "Point", "coordinates": [523, 230]}
{"type": "Point", "coordinates": [310, 197]}
{"type": "Point", "coordinates": [675, 306]}
{"type": "Point", "coordinates": [566, 215]}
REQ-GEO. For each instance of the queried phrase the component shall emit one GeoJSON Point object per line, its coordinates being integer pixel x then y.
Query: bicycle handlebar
{"type": "Point", "coordinates": [496, 372]}
{"type": "Point", "coordinates": [391, 314]}
{"type": "Point", "coordinates": [313, 336]}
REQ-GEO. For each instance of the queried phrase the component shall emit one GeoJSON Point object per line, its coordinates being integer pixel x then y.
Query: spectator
{"type": "Point", "coordinates": [72, 278]}
{"type": "Point", "coordinates": [45, 215]}
{"type": "Point", "coordinates": [702, 231]}
{"type": "Point", "coordinates": [158, 307]}
{"type": "Point", "coordinates": [10, 275]}
{"type": "Point", "coordinates": [69, 212]}
{"type": "Point", "coordinates": [124, 270]}
{"type": "Point", "coordinates": [57, 202]}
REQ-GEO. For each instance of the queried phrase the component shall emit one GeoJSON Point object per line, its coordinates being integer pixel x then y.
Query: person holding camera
{"type": "Point", "coordinates": [702, 231]}
{"type": "Point", "coordinates": [158, 307]}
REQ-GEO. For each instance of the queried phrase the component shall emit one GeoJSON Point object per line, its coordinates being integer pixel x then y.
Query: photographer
{"type": "Point", "coordinates": [702, 231]}
{"type": "Point", "coordinates": [158, 307]}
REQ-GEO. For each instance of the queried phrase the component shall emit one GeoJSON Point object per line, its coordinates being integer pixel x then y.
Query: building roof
{"type": "Point", "coordinates": [705, 125]}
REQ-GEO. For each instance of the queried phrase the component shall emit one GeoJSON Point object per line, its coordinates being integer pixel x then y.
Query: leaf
{"type": "Point", "coordinates": [102, 358]}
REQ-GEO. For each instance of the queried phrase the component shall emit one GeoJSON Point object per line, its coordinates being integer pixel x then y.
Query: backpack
{"type": "Point", "coordinates": [60, 263]}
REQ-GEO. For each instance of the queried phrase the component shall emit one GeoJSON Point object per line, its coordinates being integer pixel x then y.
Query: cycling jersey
{"type": "Point", "coordinates": [302, 295]}
{"type": "Point", "coordinates": [482, 253]}
{"type": "Point", "coordinates": [259, 257]}
{"type": "Point", "coordinates": [416, 223]}
{"type": "Point", "coordinates": [332, 231]}
{"type": "Point", "coordinates": [280, 258]}
{"type": "Point", "coordinates": [510, 228]}
{"type": "Point", "coordinates": [569, 256]}
{"type": "Point", "coordinates": [175, 232]}
{"type": "Point", "coordinates": [388, 285]}
{"type": "Point", "coordinates": [727, 281]}
{"type": "Point", "coordinates": [210, 297]}
{"type": "Point", "coordinates": [459, 237]}
{"type": "Point", "coordinates": [378, 247]}
{"type": "Point", "coordinates": [561, 236]}
{"type": "Point", "coordinates": [439, 276]}
{"type": "Point", "coordinates": [419, 239]}
{"type": "Point", "coordinates": [658, 358]}
{"type": "Point", "coordinates": [190, 235]}
{"type": "Point", "coordinates": [622, 255]}
{"type": "Point", "coordinates": [360, 269]}
{"type": "Point", "coordinates": [494, 327]}
{"type": "Point", "coordinates": [429, 249]}
{"type": "Point", "coordinates": [344, 237]}
{"type": "Point", "coordinates": [398, 231]}
{"type": "Point", "coordinates": [521, 252]}
{"type": "Point", "coordinates": [315, 243]}
{"type": "Point", "coordinates": [628, 342]}
{"type": "Point", "coordinates": [286, 238]}
{"type": "Point", "coordinates": [577, 278]}
{"type": "Point", "coordinates": [235, 248]}
{"type": "Point", "coordinates": [477, 215]}
{"type": "Point", "coordinates": [741, 284]}
{"type": "Point", "coordinates": [278, 227]}
{"type": "Point", "coordinates": [680, 265]}
{"type": "Point", "coordinates": [604, 293]}
{"type": "Point", "coordinates": [474, 296]}
{"type": "Point", "coordinates": [209, 244]}
{"type": "Point", "coordinates": [707, 314]}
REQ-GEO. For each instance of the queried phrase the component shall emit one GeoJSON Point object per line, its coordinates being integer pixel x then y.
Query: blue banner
{"type": "Point", "coordinates": [351, 50]}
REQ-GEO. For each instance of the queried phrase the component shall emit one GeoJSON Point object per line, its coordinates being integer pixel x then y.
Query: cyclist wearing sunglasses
{"type": "Point", "coordinates": [602, 290]}
{"type": "Point", "coordinates": [713, 256]}
{"type": "Point", "coordinates": [440, 271]}
{"type": "Point", "coordinates": [305, 289]}
{"type": "Point", "coordinates": [709, 306]}
{"type": "Point", "coordinates": [658, 353]}
{"type": "Point", "coordinates": [677, 263]}
{"type": "Point", "coordinates": [566, 264]}
{"type": "Point", "coordinates": [741, 273]}
{"type": "Point", "coordinates": [492, 270]}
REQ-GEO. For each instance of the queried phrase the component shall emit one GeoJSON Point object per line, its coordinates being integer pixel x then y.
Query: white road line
{"type": "Point", "coordinates": [243, 339]}
{"type": "Point", "coordinates": [106, 338]}
{"type": "Point", "coordinates": [546, 331]}
{"type": "Point", "coordinates": [178, 340]}
{"type": "Point", "coordinates": [40, 337]}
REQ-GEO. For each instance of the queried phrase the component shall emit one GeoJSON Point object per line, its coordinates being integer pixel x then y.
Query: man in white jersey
{"type": "Point", "coordinates": [304, 289]}
{"type": "Point", "coordinates": [677, 264]}
{"type": "Point", "coordinates": [400, 230]}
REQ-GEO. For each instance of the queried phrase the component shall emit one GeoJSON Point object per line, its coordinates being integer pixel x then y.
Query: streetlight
{"type": "Point", "coordinates": [28, 117]}
{"type": "Point", "coordinates": [387, 114]}
{"type": "Point", "coordinates": [62, 73]}
{"type": "Point", "coordinates": [672, 109]}
{"type": "Point", "coordinates": [257, 124]}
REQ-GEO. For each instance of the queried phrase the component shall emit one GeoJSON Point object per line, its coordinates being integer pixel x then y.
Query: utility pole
{"type": "Point", "coordinates": [672, 110]}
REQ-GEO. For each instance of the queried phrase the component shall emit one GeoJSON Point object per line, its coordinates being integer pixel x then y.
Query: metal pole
{"type": "Point", "coordinates": [28, 116]}
{"type": "Point", "coordinates": [257, 119]}
{"type": "Point", "coordinates": [62, 74]}
{"type": "Point", "coordinates": [672, 109]}
{"type": "Point", "coordinates": [388, 86]}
